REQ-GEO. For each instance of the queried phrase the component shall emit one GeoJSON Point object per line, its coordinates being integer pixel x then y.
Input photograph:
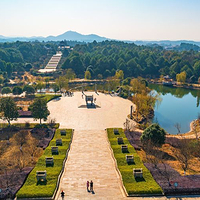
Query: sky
{"type": "Point", "coordinates": [115, 19]}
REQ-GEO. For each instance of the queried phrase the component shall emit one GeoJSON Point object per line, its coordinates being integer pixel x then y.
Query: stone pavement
{"type": "Point", "coordinates": [90, 159]}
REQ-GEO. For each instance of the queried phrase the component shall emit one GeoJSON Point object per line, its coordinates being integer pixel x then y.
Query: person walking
{"type": "Point", "coordinates": [91, 186]}
{"type": "Point", "coordinates": [62, 195]}
{"type": "Point", "coordinates": [88, 186]}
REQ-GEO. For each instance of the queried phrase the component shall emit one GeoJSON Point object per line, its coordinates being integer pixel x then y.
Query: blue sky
{"type": "Point", "coordinates": [117, 19]}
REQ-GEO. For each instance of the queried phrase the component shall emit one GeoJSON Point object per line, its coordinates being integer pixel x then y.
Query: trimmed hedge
{"type": "Point", "coordinates": [147, 185]}
{"type": "Point", "coordinates": [30, 189]}
{"type": "Point", "coordinates": [48, 97]}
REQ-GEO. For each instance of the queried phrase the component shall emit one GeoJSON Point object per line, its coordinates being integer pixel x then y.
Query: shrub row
{"type": "Point", "coordinates": [146, 185]}
{"type": "Point", "coordinates": [30, 189]}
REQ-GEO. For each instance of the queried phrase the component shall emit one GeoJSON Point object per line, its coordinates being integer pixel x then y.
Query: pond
{"type": "Point", "coordinates": [178, 105]}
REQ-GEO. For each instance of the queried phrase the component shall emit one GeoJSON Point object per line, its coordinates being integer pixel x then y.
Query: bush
{"type": "Point", "coordinates": [29, 89]}
{"type": "Point", "coordinates": [41, 126]}
{"type": "Point", "coordinates": [17, 90]}
{"type": "Point", "coordinates": [155, 134]}
{"type": "Point", "coordinates": [147, 185]}
{"type": "Point", "coordinates": [30, 189]}
{"type": "Point", "coordinates": [6, 90]}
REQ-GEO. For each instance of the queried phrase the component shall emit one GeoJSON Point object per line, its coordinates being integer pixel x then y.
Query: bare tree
{"type": "Point", "coordinates": [183, 154]}
{"type": "Point", "coordinates": [21, 137]}
{"type": "Point", "coordinates": [129, 125]}
{"type": "Point", "coordinates": [178, 127]}
{"type": "Point", "coordinates": [153, 156]}
{"type": "Point", "coordinates": [33, 149]}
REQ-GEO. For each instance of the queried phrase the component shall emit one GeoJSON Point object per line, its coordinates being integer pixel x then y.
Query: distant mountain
{"type": "Point", "coordinates": [72, 35]}
{"type": "Point", "coordinates": [166, 43]}
{"type": "Point", "coordinates": [69, 35]}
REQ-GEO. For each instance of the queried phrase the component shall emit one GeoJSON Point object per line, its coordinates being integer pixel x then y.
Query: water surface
{"type": "Point", "coordinates": [178, 105]}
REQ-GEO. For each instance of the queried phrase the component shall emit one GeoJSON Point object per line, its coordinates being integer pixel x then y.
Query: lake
{"type": "Point", "coordinates": [178, 105]}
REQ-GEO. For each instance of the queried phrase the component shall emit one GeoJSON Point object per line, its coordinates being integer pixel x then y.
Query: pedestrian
{"type": "Point", "coordinates": [88, 186]}
{"type": "Point", "coordinates": [62, 195]}
{"type": "Point", "coordinates": [91, 186]}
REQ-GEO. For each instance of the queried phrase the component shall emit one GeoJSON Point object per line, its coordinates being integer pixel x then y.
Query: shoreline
{"type": "Point", "coordinates": [188, 86]}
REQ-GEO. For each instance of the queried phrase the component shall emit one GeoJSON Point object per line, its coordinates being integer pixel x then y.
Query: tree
{"type": "Point", "coordinates": [8, 109]}
{"type": "Point", "coordinates": [197, 69]}
{"type": "Point", "coordinates": [47, 82]}
{"type": "Point", "coordinates": [6, 90]}
{"type": "Point", "coordinates": [62, 83]}
{"type": "Point", "coordinates": [55, 87]}
{"type": "Point", "coordinates": [29, 89]}
{"type": "Point", "coordinates": [155, 134]}
{"type": "Point", "coordinates": [178, 127]}
{"type": "Point", "coordinates": [39, 109]}
{"type": "Point", "coordinates": [87, 75]}
{"type": "Point", "coordinates": [1, 79]}
{"type": "Point", "coordinates": [183, 153]}
{"type": "Point", "coordinates": [28, 67]}
{"type": "Point", "coordinates": [17, 90]}
{"type": "Point", "coordinates": [181, 77]}
{"type": "Point", "coordinates": [70, 74]}
{"type": "Point", "coordinates": [119, 74]}
{"type": "Point", "coordinates": [40, 86]}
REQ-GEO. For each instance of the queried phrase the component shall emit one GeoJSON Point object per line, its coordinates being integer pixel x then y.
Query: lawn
{"type": "Point", "coordinates": [147, 185]}
{"type": "Point", "coordinates": [48, 97]}
{"type": "Point", "coordinates": [30, 189]}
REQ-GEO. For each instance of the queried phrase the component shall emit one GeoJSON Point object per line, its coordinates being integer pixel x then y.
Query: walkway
{"type": "Point", "coordinates": [90, 159]}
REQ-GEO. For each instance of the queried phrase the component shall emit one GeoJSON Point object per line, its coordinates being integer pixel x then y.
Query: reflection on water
{"type": "Point", "coordinates": [178, 105]}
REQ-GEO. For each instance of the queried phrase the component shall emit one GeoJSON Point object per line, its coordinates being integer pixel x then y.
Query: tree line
{"type": "Point", "coordinates": [105, 58]}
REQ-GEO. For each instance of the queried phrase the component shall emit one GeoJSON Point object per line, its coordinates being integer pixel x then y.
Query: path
{"type": "Point", "coordinates": [90, 159]}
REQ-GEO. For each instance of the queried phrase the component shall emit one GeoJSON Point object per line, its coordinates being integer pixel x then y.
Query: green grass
{"type": "Point", "coordinates": [48, 97]}
{"type": "Point", "coordinates": [30, 189]}
{"type": "Point", "coordinates": [24, 125]}
{"type": "Point", "coordinates": [147, 185]}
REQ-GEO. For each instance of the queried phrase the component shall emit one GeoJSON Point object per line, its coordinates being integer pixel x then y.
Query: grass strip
{"type": "Point", "coordinates": [146, 185]}
{"type": "Point", "coordinates": [27, 125]}
{"type": "Point", "coordinates": [48, 97]}
{"type": "Point", "coordinates": [30, 189]}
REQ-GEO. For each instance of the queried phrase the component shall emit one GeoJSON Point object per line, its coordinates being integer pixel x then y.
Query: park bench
{"type": "Point", "coordinates": [62, 132]}
{"type": "Point", "coordinates": [129, 159]}
{"type": "Point", "coordinates": [124, 148]}
{"type": "Point", "coordinates": [116, 131]}
{"type": "Point", "coordinates": [49, 161]}
{"type": "Point", "coordinates": [58, 142]}
{"type": "Point", "coordinates": [41, 176]}
{"type": "Point", "coordinates": [120, 140]}
{"type": "Point", "coordinates": [54, 150]}
{"type": "Point", "coordinates": [137, 172]}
